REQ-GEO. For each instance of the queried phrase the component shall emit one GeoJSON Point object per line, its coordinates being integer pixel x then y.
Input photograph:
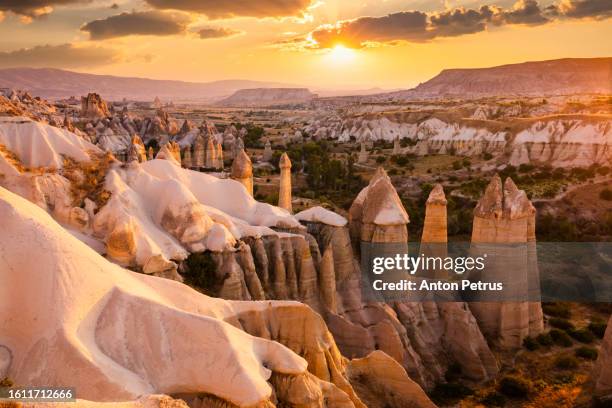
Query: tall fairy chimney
{"type": "Point", "coordinates": [503, 218]}
{"type": "Point", "coordinates": [242, 170]}
{"type": "Point", "coordinates": [284, 194]}
{"type": "Point", "coordinates": [435, 225]}
{"type": "Point", "coordinates": [211, 154]}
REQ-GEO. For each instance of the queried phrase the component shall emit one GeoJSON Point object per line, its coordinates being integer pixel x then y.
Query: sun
{"type": "Point", "coordinates": [341, 54]}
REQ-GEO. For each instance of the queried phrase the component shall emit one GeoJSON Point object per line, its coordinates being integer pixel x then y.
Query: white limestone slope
{"type": "Point", "coordinates": [70, 318]}
{"type": "Point", "coordinates": [40, 145]}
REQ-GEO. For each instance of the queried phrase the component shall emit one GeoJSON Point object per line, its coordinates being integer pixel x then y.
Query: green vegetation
{"type": "Point", "coordinates": [561, 338]}
{"type": "Point", "coordinates": [565, 362]}
{"type": "Point", "coordinates": [514, 386]}
{"type": "Point", "coordinates": [493, 399]}
{"type": "Point", "coordinates": [587, 353]}
{"type": "Point", "coordinates": [582, 335]}
{"type": "Point", "coordinates": [557, 309]}
{"type": "Point", "coordinates": [598, 328]}
{"type": "Point", "coordinates": [530, 343]}
{"type": "Point", "coordinates": [545, 339]}
{"type": "Point", "coordinates": [561, 323]}
{"type": "Point", "coordinates": [199, 271]}
{"type": "Point", "coordinates": [448, 393]}
{"type": "Point", "coordinates": [606, 194]}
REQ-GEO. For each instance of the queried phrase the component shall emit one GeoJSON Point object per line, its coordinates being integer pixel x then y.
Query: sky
{"type": "Point", "coordinates": [322, 44]}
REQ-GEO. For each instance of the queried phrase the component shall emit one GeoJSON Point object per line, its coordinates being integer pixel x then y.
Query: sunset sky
{"type": "Point", "coordinates": [329, 44]}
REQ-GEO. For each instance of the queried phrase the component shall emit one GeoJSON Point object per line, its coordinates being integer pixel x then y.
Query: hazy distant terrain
{"type": "Point", "coordinates": [56, 83]}
{"type": "Point", "coordinates": [554, 77]}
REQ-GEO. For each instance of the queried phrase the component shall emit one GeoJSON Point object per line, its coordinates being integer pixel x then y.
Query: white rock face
{"type": "Point", "coordinates": [321, 215]}
{"type": "Point", "coordinates": [39, 145]}
{"type": "Point", "coordinates": [99, 315]}
{"type": "Point", "coordinates": [557, 142]}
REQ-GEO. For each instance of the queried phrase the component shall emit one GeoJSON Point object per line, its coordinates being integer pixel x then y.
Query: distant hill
{"type": "Point", "coordinates": [554, 77]}
{"type": "Point", "coordinates": [57, 83]}
{"type": "Point", "coordinates": [267, 96]}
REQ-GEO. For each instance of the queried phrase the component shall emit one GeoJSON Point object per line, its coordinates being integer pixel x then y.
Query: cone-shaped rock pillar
{"type": "Point", "coordinates": [137, 151]}
{"type": "Point", "coordinates": [435, 225]}
{"type": "Point", "coordinates": [504, 215]}
{"type": "Point", "coordinates": [198, 152]}
{"type": "Point", "coordinates": [284, 194]}
{"type": "Point", "coordinates": [242, 170]}
{"type": "Point", "coordinates": [211, 155]}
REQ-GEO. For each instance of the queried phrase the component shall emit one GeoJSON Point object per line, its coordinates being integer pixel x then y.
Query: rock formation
{"type": "Point", "coordinates": [137, 150]}
{"type": "Point", "coordinates": [187, 163]}
{"type": "Point", "coordinates": [220, 163]}
{"type": "Point", "coordinates": [602, 372]}
{"type": "Point", "coordinates": [242, 171]}
{"type": "Point", "coordinates": [435, 224]}
{"type": "Point", "coordinates": [267, 154]}
{"type": "Point", "coordinates": [363, 154]}
{"type": "Point", "coordinates": [150, 153]}
{"type": "Point", "coordinates": [284, 193]}
{"type": "Point", "coordinates": [170, 151]}
{"type": "Point", "coordinates": [211, 155]}
{"type": "Point", "coordinates": [199, 152]}
{"type": "Point", "coordinates": [396, 146]}
{"type": "Point", "coordinates": [92, 106]}
{"type": "Point", "coordinates": [502, 216]}
{"type": "Point", "coordinates": [377, 214]}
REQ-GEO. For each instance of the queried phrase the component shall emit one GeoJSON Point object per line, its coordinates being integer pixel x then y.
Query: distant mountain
{"type": "Point", "coordinates": [57, 83]}
{"type": "Point", "coordinates": [554, 77]}
{"type": "Point", "coordinates": [267, 96]}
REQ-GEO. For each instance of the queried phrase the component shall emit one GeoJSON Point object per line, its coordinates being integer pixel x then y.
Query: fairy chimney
{"type": "Point", "coordinates": [242, 170]}
{"type": "Point", "coordinates": [284, 194]}
{"type": "Point", "coordinates": [435, 224]}
{"type": "Point", "coordinates": [503, 218]}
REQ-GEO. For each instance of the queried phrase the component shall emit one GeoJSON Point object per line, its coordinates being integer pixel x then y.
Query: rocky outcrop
{"type": "Point", "coordinates": [284, 193]}
{"type": "Point", "coordinates": [377, 214]}
{"type": "Point", "coordinates": [267, 97]}
{"type": "Point", "coordinates": [242, 171]}
{"type": "Point", "coordinates": [137, 151]}
{"type": "Point", "coordinates": [363, 154]}
{"type": "Point", "coordinates": [267, 154]}
{"type": "Point", "coordinates": [170, 151]}
{"type": "Point", "coordinates": [602, 372]}
{"type": "Point", "coordinates": [505, 215]}
{"type": "Point", "coordinates": [94, 107]}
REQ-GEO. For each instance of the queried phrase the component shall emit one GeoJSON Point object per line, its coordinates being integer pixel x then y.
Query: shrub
{"type": "Point", "coordinates": [456, 165]}
{"type": "Point", "coordinates": [449, 391]}
{"type": "Point", "coordinates": [493, 399]}
{"type": "Point", "coordinates": [381, 159]}
{"type": "Point", "coordinates": [545, 339]}
{"type": "Point", "coordinates": [566, 362]}
{"type": "Point", "coordinates": [557, 309]}
{"type": "Point", "coordinates": [598, 328]}
{"type": "Point", "coordinates": [582, 335]}
{"type": "Point", "coordinates": [200, 270]}
{"type": "Point", "coordinates": [6, 382]}
{"type": "Point", "coordinates": [514, 386]}
{"type": "Point", "coordinates": [561, 338]}
{"type": "Point", "coordinates": [530, 343]}
{"type": "Point", "coordinates": [588, 353]}
{"type": "Point", "coordinates": [606, 194]}
{"type": "Point", "coordinates": [561, 323]}
{"type": "Point", "coordinates": [487, 156]}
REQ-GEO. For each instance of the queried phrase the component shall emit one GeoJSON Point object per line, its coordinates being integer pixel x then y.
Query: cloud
{"type": "Point", "coordinates": [598, 9]}
{"type": "Point", "coordinates": [216, 9]}
{"type": "Point", "coordinates": [138, 22]}
{"type": "Point", "coordinates": [217, 32]}
{"type": "Point", "coordinates": [417, 26]}
{"type": "Point", "coordinates": [31, 9]}
{"type": "Point", "coordinates": [59, 56]}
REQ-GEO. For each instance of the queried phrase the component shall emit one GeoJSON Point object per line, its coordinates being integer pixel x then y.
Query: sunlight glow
{"type": "Point", "coordinates": [341, 54]}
